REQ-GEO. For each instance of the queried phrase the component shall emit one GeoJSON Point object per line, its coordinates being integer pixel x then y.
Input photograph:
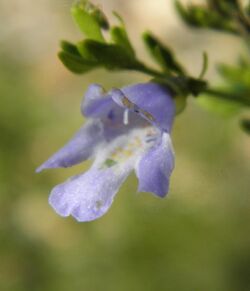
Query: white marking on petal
{"type": "Point", "coordinates": [124, 150]}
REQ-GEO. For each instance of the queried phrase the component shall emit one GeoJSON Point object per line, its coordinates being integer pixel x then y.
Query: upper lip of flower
{"type": "Point", "coordinates": [147, 100]}
{"type": "Point", "coordinates": [120, 144]}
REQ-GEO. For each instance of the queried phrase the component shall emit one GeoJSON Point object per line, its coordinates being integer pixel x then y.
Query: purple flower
{"type": "Point", "coordinates": [127, 129]}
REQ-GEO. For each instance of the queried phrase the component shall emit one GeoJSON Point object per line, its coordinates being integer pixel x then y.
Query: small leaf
{"type": "Point", "coordinates": [119, 36]}
{"type": "Point", "coordinates": [218, 106]}
{"type": "Point", "coordinates": [248, 9]}
{"type": "Point", "coordinates": [111, 56]}
{"type": "Point", "coordinates": [75, 63]}
{"type": "Point", "coordinates": [100, 17]}
{"type": "Point", "coordinates": [69, 47]}
{"type": "Point", "coordinates": [85, 17]}
{"type": "Point", "coordinates": [225, 8]}
{"type": "Point", "coordinates": [245, 124]}
{"type": "Point", "coordinates": [118, 16]}
{"type": "Point", "coordinates": [205, 17]}
{"type": "Point", "coordinates": [236, 75]}
{"type": "Point", "coordinates": [183, 12]}
{"type": "Point", "coordinates": [162, 54]}
{"type": "Point", "coordinates": [85, 52]}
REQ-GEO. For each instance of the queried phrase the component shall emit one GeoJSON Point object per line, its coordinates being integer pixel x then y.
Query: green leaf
{"type": "Point", "coordinates": [69, 47]}
{"type": "Point", "coordinates": [237, 81]}
{"type": "Point", "coordinates": [85, 52]}
{"type": "Point", "coordinates": [245, 124]}
{"type": "Point", "coordinates": [183, 12]}
{"type": "Point", "coordinates": [72, 59]}
{"type": "Point", "coordinates": [99, 16]}
{"type": "Point", "coordinates": [90, 54]}
{"type": "Point", "coordinates": [111, 56]}
{"type": "Point", "coordinates": [162, 54]}
{"type": "Point", "coordinates": [225, 8]}
{"type": "Point", "coordinates": [238, 76]}
{"type": "Point", "coordinates": [205, 17]}
{"type": "Point", "coordinates": [120, 37]}
{"type": "Point", "coordinates": [87, 17]}
{"type": "Point", "coordinates": [248, 9]}
{"type": "Point", "coordinates": [75, 63]}
{"type": "Point", "coordinates": [218, 106]}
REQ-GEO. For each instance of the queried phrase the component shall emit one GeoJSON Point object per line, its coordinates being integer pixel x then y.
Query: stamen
{"type": "Point", "coordinates": [126, 117]}
{"type": "Point", "coordinates": [127, 103]}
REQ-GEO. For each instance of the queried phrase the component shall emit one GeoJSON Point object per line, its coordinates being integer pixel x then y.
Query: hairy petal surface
{"type": "Point", "coordinates": [78, 149]}
{"type": "Point", "coordinates": [88, 196]}
{"type": "Point", "coordinates": [155, 167]}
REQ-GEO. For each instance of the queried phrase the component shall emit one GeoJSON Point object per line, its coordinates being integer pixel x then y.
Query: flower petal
{"type": "Point", "coordinates": [78, 149]}
{"type": "Point", "coordinates": [99, 105]}
{"type": "Point", "coordinates": [155, 167]}
{"type": "Point", "coordinates": [88, 196]}
{"type": "Point", "coordinates": [96, 102]}
{"type": "Point", "coordinates": [151, 100]}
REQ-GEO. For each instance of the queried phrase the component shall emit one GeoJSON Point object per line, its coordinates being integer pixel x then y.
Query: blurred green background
{"type": "Point", "coordinates": [198, 238]}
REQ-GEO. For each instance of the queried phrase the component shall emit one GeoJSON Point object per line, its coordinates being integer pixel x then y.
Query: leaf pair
{"type": "Point", "coordinates": [94, 51]}
{"type": "Point", "coordinates": [225, 15]}
{"type": "Point", "coordinates": [162, 55]}
{"type": "Point", "coordinates": [216, 15]}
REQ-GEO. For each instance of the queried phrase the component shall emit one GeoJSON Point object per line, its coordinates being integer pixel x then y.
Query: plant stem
{"type": "Point", "coordinates": [228, 96]}
{"type": "Point", "coordinates": [147, 70]}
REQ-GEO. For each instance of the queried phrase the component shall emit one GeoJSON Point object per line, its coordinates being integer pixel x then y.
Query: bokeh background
{"type": "Point", "coordinates": [198, 238]}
